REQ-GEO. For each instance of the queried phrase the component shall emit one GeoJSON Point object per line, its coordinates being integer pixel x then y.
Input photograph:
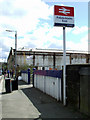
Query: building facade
{"type": "Point", "coordinates": [46, 58]}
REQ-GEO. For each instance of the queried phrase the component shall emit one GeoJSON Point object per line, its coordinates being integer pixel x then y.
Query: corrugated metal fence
{"type": "Point", "coordinates": [50, 82]}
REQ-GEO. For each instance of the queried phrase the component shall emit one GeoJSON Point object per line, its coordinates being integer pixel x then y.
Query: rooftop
{"type": "Point", "coordinates": [50, 50]}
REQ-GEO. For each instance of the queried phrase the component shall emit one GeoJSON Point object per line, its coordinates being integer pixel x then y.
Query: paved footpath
{"type": "Point", "coordinates": [28, 102]}
{"type": "Point", "coordinates": [0, 97]}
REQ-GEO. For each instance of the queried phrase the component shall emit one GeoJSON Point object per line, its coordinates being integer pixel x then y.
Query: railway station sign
{"type": "Point", "coordinates": [63, 16]}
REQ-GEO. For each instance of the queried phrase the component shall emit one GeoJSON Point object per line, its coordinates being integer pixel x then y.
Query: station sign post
{"type": "Point", "coordinates": [64, 17]}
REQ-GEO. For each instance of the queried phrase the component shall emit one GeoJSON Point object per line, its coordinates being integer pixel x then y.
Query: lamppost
{"type": "Point", "coordinates": [15, 49]}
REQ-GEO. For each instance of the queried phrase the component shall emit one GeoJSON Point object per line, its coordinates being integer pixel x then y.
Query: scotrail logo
{"type": "Point", "coordinates": [64, 11]}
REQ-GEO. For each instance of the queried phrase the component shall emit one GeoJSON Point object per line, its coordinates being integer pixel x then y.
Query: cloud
{"type": "Point", "coordinates": [82, 45]}
{"type": "Point", "coordinates": [33, 20]}
{"type": "Point", "coordinates": [23, 16]}
{"type": "Point", "coordinates": [52, 37]}
{"type": "Point", "coordinates": [66, 1]}
{"type": "Point", "coordinates": [79, 30]}
{"type": "Point", "coordinates": [7, 9]}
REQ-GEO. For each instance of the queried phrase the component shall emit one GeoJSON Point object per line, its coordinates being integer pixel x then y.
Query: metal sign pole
{"type": "Point", "coordinates": [64, 67]}
{"type": "Point", "coordinates": [15, 52]}
{"type": "Point", "coordinates": [64, 16]}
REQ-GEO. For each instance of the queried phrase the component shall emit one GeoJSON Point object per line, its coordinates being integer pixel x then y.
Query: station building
{"type": "Point", "coordinates": [46, 59]}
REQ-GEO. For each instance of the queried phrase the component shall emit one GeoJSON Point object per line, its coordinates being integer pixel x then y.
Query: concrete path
{"type": "Point", "coordinates": [1, 97]}
{"type": "Point", "coordinates": [28, 102]}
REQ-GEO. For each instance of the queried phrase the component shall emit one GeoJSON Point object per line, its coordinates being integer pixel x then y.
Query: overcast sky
{"type": "Point", "coordinates": [33, 20]}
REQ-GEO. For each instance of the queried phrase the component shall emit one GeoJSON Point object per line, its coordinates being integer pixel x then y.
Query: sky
{"type": "Point", "coordinates": [34, 22]}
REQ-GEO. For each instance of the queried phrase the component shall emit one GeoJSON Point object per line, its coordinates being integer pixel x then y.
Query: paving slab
{"type": "Point", "coordinates": [17, 105]}
{"type": "Point", "coordinates": [0, 97]}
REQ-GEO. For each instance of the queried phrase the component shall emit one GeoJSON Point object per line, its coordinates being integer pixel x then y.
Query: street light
{"type": "Point", "coordinates": [15, 49]}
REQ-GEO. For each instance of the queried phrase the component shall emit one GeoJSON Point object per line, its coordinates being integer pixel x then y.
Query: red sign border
{"type": "Point", "coordinates": [56, 10]}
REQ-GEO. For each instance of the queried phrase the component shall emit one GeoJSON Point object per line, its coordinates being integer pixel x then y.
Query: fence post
{"type": "Point", "coordinates": [8, 73]}
{"type": "Point", "coordinates": [28, 75]}
{"type": "Point", "coordinates": [33, 76]}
